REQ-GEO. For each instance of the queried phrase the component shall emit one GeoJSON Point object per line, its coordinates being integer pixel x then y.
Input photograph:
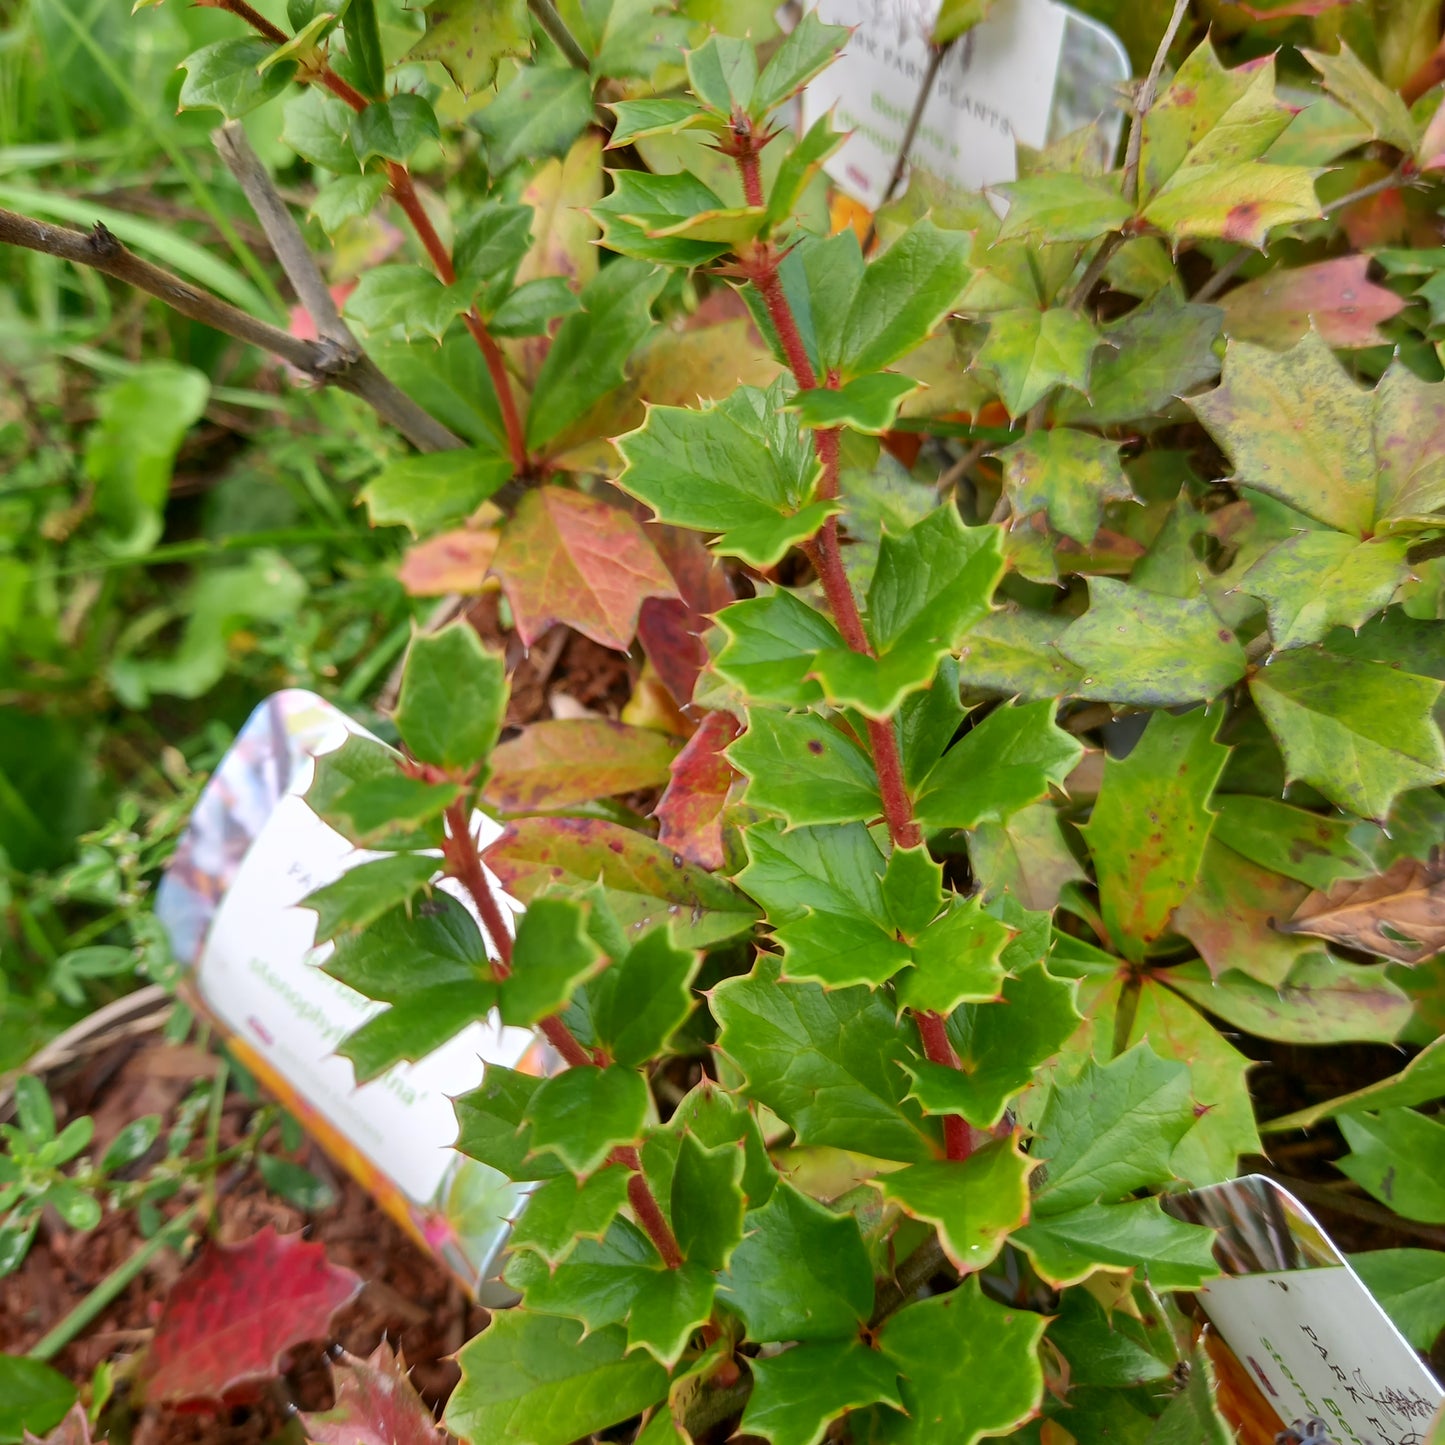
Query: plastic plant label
{"type": "Point", "coordinates": [1307, 1341]}
{"type": "Point", "coordinates": [252, 850]}
{"type": "Point", "coordinates": [1034, 70]}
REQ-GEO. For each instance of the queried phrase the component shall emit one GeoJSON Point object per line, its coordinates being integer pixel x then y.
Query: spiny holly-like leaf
{"type": "Point", "coordinates": [469, 37]}
{"type": "Point", "coordinates": [1142, 647]}
{"type": "Point", "coordinates": [393, 128]}
{"type": "Point", "coordinates": [799, 1393]}
{"type": "Point", "coordinates": [453, 695]}
{"type": "Point", "coordinates": [956, 959]}
{"type": "Point", "coordinates": [723, 72]}
{"type": "Point", "coordinates": [642, 208]}
{"type": "Point", "coordinates": [1005, 763]}
{"type": "Point", "coordinates": [930, 585]}
{"type": "Point", "coordinates": [494, 1131]}
{"type": "Point", "coordinates": [237, 1309]}
{"type": "Point", "coordinates": [867, 403]}
{"type": "Point", "coordinates": [1409, 448]}
{"type": "Point", "coordinates": [1309, 847]}
{"type": "Point", "coordinates": [740, 469]}
{"type": "Point", "coordinates": [1015, 652]}
{"type": "Point", "coordinates": [1067, 474]}
{"type": "Point", "coordinates": [1398, 1156]}
{"type": "Point", "coordinates": [801, 1271]}
{"type": "Point", "coordinates": [1336, 297]}
{"type": "Point", "coordinates": [1068, 1247]}
{"type": "Point", "coordinates": [376, 1404]}
{"type": "Point", "coordinates": [360, 790]}
{"type": "Point", "coordinates": [1360, 732]}
{"type": "Point", "coordinates": [580, 1115]}
{"type": "Point", "coordinates": [1410, 1284]}
{"type": "Point", "coordinates": [656, 116]}
{"type": "Point", "coordinates": [1025, 856]}
{"type": "Point", "coordinates": [1149, 827]}
{"type": "Point", "coordinates": [539, 112]}
{"type": "Point", "coordinates": [975, 1204]}
{"type": "Point", "coordinates": [1241, 203]}
{"type": "Point", "coordinates": [805, 770]}
{"type": "Point", "coordinates": [969, 1367]}
{"type": "Point", "coordinates": [1031, 352]}
{"type": "Point", "coordinates": [809, 48]}
{"type": "Point", "coordinates": [689, 813]}
{"type": "Point", "coordinates": [567, 557]}
{"type": "Point", "coordinates": [644, 882]}
{"type": "Point", "coordinates": [561, 763]}
{"type": "Point", "coordinates": [563, 1210]}
{"type": "Point", "coordinates": [825, 1061]}
{"type": "Point", "coordinates": [1400, 914]}
{"type": "Point", "coordinates": [707, 1204]}
{"type": "Point", "coordinates": [772, 642]}
{"type": "Point", "coordinates": [428, 491]}
{"type": "Point", "coordinates": [552, 956]}
{"type": "Point", "coordinates": [644, 998]}
{"type": "Point", "coordinates": [409, 297]}
{"type": "Point", "coordinates": [362, 894]}
{"type": "Point", "coordinates": [912, 890]}
{"type": "Point", "coordinates": [998, 1048]}
{"type": "Point", "coordinates": [532, 1379]}
{"type": "Point", "coordinates": [1347, 78]}
{"type": "Point", "coordinates": [1062, 207]}
{"type": "Point", "coordinates": [228, 76]}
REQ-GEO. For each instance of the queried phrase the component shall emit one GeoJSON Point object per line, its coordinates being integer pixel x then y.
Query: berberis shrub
{"type": "Point", "coordinates": [1063, 636]}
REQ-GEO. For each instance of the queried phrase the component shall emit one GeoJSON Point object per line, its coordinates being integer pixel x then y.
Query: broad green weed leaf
{"type": "Point", "coordinates": [1360, 732]}
{"type": "Point", "coordinates": [975, 1204]}
{"type": "Point", "coordinates": [581, 1114]}
{"type": "Point", "coordinates": [1150, 825]}
{"type": "Point", "coordinates": [1141, 647]}
{"type": "Point", "coordinates": [867, 403]}
{"type": "Point", "coordinates": [1398, 1157]}
{"type": "Point", "coordinates": [552, 957]}
{"type": "Point", "coordinates": [1032, 352]}
{"type": "Point", "coordinates": [798, 1393]}
{"type": "Point", "coordinates": [33, 1397]}
{"type": "Point", "coordinates": [1410, 1284]}
{"type": "Point", "coordinates": [1062, 207]}
{"type": "Point", "coordinates": [1069, 475]}
{"type": "Point", "coordinates": [533, 1379]}
{"type": "Point", "coordinates": [427, 492]}
{"type": "Point", "coordinates": [805, 770]}
{"type": "Point", "coordinates": [469, 38]}
{"type": "Point", "coordinates": [826, 1062]}
{"type": "Point", "coordinates": [453, 695]}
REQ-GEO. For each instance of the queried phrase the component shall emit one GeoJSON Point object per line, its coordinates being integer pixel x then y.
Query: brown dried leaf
{"type": "Point", "coordinates": [1400, 914]}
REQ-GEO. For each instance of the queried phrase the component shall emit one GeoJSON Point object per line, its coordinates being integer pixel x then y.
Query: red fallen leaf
{"type": "Point", "coordinates": [232, 1315]}
{"type": "Point", "coordinates": [376, 1404]}
{"type": "Point", "coordinates": [452, 562]}
{"type": "Point", "coordinates": [559, 763]}
{"type": "Point", "coordinates": [73, 1430]}
{"type": "Point", "coordinates": [1347, 307]}
{"type": "Point", "coordinates": [690, 813]}
{"type": "Point", "coordinates": [567, 557]}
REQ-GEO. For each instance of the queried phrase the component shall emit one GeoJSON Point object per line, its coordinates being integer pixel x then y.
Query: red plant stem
{"type": "Point", "coordinates": [464, 863]}
{"type": "Point", "coordinates": [566, 1043]}
{"type": "Point", "coordinates": [763, 273]}
{"type": "Point", "coordinates": [752, 177]}
{"type": "Point", "coordinates": [404, 193]}
{"type": "Point", "coordinates": [646, 1208]}
{"type": "Point", "coordinates": [959, 1137]}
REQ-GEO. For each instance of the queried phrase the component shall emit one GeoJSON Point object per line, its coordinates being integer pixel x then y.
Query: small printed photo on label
{"type": "Point", "coordinates": [1031, 73]}
{"type": "Point", "coordinates": [1298, 1343]}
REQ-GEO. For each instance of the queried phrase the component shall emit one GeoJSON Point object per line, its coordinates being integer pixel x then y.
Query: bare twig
{"type": "Point", "coordinates": [1145, 97]}
{"type": "Point", "coordinates": [1095, 269]}
{"type": "Point", "coordinates": [284, 235]}
{"type": "Point", "coordinates": [321, 362]}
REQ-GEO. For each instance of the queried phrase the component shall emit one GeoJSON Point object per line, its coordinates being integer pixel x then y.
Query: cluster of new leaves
{"type": "Point", "coordinates": [989, 799]}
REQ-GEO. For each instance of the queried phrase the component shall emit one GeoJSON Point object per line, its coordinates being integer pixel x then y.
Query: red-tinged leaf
{"type": "Point", "coordinates": [453, 562]}
{"type": "Point", "coordinates": [1400, 914]}
{"type": "Point", "coordinates": [556, 764]}
{"type": "Point", "coordinates": [646, 883]}
{"type": "Point", "coordinates": [1432, 143]}
{"type": "Point", "coordinates": [376, 1404]}
{"type": "Point", "coordinates": [1345, 305]}
{"type": "Point", "coordinates": [238, 1309]}
{"type": "Point", "coordinates": [1376, 221]}
{"type": "Point", "coordinates": [690, 813]}
{"type": "Point", "coordinates": [73, 1430]}
{"type": "Point", "coordinates": [1291, 9]}
{"type": "Point", "coordinates": [670, 630]}
{"type": "Point", "coordinates": [567, 557]}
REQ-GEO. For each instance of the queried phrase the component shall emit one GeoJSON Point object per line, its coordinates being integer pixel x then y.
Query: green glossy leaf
{"type": "Point", "coordinates": [1150, 825]}
{"type": "Point", "coordinates": [713, 1118]}
{"type": "Point", "coordinates": [417, 1025]}
{"type": "Point", "coordinates": [867, 403]}
{"type": "Point", "coordinates": [1025, 856]}
{"type": "Point", "coordinates": [392, 129]}
{"type": "Point", "coordinates": [827, 1062]}
{"type": "Point", "coordinates": [33, 1397]}
{"type": "Point", "coordinates": [799, 168]}
{"type": "Point", "coordinates": [1142, 647]}
{"type": "Point", "coordinates": [969, 1367]}
{"type": "Point", "coordinates": [1409, 448]}
{"type": "Point", "coordinates": [494, 1130]}
{"type": "Point", "coordinates": [667, 1307]}
{"type": "Point", "coordinates": [796, 1395]}
{"type": "Point", "coordinates": [810, 47]}
{"type": "Point", "coordinates": [228, 76]}
{"type": "Point", "coordinates": [531, 1379]}
{"type": "Point", "coordinates": [707, 1201]}
{"type": "Point", "coordinates": [453, 695]}
{"type": "Point", "coordinates": [739, 469]}
{"type": "Point", "coordinates": [410, 949]}
{"type": "Point", "coordinates": [1032, 352]}
{"type": "Point", "coordinates": [428, 492]}
{"type": "Point", "coordinates": [551, 958]}
{"type": "Point", "coordinates": [361, 777]}
{"type": "Point", "coordinates": [772, 641]}
{"type": "Point", "coordinates": [491, 241]}
{"type": "Point", "coordinates": [802, 768]}
{"type": "Point", "coordinates": [346, 199]}
{"type": "Point", "coordinates": [1240, 202]}
{"type": "Point", "coordinates": [539, 112]}
{"type": "Point", "coordinates": [912, 890]}
{"type": "Point", "coordinates": [1062, 207]}
{"type": "Point", "coordinates": [1068, 475]}
{"type": "Point", "coordinates": [580, 1115]}
{"type": "Point", "coordinates": [1005, 763]}
{"type": "Point", "coordinates": [641, 208]}
{"type": "Point", "coordinates": [1351, 83]}
{"type": "Point", "coordinates": [362, 894]}
{"type": "Point", "coordinates": [801, 1271]}
{"type": "Point", "coordinates": [565, 1210]}
{"type": "Point", "coordinates": [1360, 732]}
{"type": "Point", "coordinates": [832, 870]}
{"type": "Point", "coordinates": [644, 998]}
{"type": "Point", "coordinates": [1421, 1081]}
{"type": "Point", "coordinates": [1410, 1284]}
{"type": "Point", "coordinates": [407, 297]}
{"type": "Point", "coordinates": [839, 951]}
{"type": "Point", "coordinates": [1068, 1247]}
{"type": "Point", "coordinates": [469, 37]}
{"type": "Point", "coordinates": [1015, 653]}
{"type": "Point", "coordinates": [975, 1204]}
{"type": "Point", "coordinates": [723, 72]}
{"type": "Point", "coordinates": [318, 129]}
{"type": "Point", "coordinates": [1320, 580]}
{"type": "Point", "coordinates": [1309, 847]}
{"type": "Point", "coordinates": [637, 119]}
{"type": "Point", "coordinates": [1398, 1157]}
{"type": "Point", "coordinates": [998, 1048]}
{"type": "Point", "coordinates": [1111, 1130]}
{"type": "Point", "coordinates": [533, 306]}
{"type": "Point", "coordinates": [957, 959]}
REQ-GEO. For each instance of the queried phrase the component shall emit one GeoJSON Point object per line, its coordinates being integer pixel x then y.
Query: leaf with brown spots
{"type": "Point", "coordinates": [646, 883]}
{"type": "Point", "coordinates": [690, 813]}
{"type": "Point", "coordinates": [452, 562]}
{"type": "Point", "coordinates": [561, 763]}
{"type": "Point", "coordinates": [469, 37]}
{"type": "Point", "coordinates": [1400, 914]}
{"type": "Point", "coordinates": [376, 1404]}
{"type": "Point", "coordinates": [567, 557]}
{"type": "Point", "coordinates": [229, 1319]}
{"type": "Point", "coordinates": [1240, 203]}
{"type": "Point", "coordinates": [1345, 306]}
